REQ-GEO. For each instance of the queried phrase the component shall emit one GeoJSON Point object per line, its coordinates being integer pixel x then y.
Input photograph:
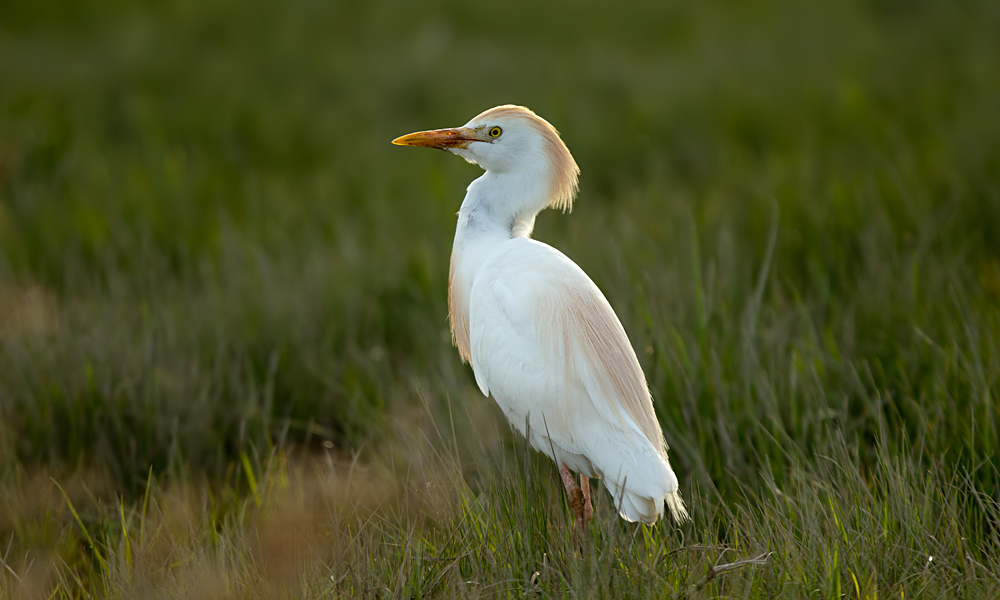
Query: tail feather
{"type": "Point", "coordinates": [635, 507]}
{"type": "Point", "coordinates": [676, 505]}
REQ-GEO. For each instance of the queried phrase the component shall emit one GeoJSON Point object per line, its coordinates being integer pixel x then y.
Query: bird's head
{"type": "Point", "coordinates": [512, 140]}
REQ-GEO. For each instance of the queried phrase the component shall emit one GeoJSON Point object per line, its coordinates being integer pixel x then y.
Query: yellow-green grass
{"type": "Point", "coordinates": [411, 524]}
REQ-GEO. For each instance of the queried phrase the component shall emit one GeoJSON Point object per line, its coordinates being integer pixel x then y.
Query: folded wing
{"type": "Point", "coordinates": [549, 347]}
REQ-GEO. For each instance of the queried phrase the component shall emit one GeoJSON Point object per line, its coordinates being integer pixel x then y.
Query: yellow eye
{"type": "Point", "coordinates": [495, 132]}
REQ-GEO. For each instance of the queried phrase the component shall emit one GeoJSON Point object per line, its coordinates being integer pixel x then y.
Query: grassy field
{"type": "Point", "coordinates": [225, 369]}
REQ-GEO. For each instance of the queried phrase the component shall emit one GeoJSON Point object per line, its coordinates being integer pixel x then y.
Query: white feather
{"type": "Point", "coordinates": [528, 350]}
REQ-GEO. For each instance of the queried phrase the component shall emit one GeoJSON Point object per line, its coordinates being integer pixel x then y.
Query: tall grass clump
{"type": "Point", "coordinates": [410, 524]}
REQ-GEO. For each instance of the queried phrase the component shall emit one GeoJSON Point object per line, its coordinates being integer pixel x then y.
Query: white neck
{"type": "Point", "coordinates": [497, 208]}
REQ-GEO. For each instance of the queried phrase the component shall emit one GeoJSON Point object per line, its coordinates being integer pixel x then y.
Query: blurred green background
{"type": "Point", "coordinates": [208, 245]}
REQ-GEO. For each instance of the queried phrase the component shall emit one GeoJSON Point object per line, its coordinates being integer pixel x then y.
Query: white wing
{"type": "Point", "coordinates": [549, 347]}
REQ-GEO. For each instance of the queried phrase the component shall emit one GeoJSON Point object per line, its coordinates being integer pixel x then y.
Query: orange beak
{"type": "Point", "coordinates": [458, 137]}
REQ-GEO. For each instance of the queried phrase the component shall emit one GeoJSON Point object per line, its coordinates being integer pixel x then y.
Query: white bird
{"type": "Point", "coordinates": [539, 334]}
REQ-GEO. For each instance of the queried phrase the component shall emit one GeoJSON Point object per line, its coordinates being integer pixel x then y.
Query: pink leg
{"type": "Point", "coordinates": [588, 508]}
{"type": "Point", "coordinates": [575, 495]}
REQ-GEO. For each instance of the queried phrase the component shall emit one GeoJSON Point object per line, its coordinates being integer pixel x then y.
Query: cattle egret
{"type": "Point", "coordinates": [539, 334]}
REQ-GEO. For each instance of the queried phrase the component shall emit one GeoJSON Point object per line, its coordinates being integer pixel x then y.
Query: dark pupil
{"type": "Point", "coordinates": [495, 132]}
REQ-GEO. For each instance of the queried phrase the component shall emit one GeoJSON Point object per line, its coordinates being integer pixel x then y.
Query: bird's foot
{"type": "Point", "coordinates": [576, 502]}
{"type": "Point", "coordinates": [588, 508]}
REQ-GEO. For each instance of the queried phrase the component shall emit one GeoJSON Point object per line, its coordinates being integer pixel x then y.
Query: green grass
{"type": "Point", "coordinates": [224, 361]}
{"type": "Point", "coordinates": [411, 526]}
